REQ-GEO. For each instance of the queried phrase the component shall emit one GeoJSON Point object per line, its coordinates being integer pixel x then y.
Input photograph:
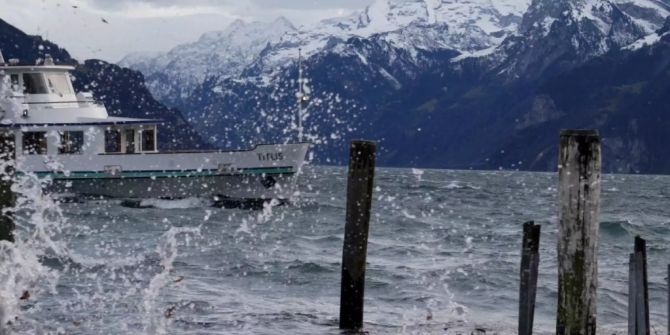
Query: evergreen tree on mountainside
{"type": "Point", "coordinates": [121, 90]}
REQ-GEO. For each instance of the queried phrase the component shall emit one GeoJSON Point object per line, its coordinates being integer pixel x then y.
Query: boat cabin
{"type": "Point", "coordinates": [49, 118]}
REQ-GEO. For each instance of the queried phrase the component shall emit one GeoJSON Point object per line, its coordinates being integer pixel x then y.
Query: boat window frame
{"type": "Point", "coordinates": [143, 139]}
{"type": "Point", "coordinates": [7, 147]}
{"type": "Point", "coordinates": [15, 81]}
{"type": "Point", "coordinates": [29, 86]}
{"type": "Point", "coordinates": [65, 83]}
{"type": "Point", "coordinates": [30, 149]}
{"type": "Point", "coordinates": [67, 146]}
{"type": "Point", "coordinates": [130, 143]}
{"type": "Point", "coordinates": [119, 140]}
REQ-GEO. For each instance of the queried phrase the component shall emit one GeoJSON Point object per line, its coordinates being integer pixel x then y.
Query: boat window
{"type": "Point", "coordinates": [130, 141]}
{"type": "Point", "coordinates": [113, 140]}
{"type": "Point", "coordinates": [35, 143]}
{"type": "Point", "coordinates": [15, 81]}
{"type": "Point", "coordinates": [71, 142]}
{"type": "Point", "coordinates": [59, 83]}
{"type": "Point", "coordinates": [34, 83]}
{"type": "Point", "coordinates": [148, 140]}
{"type": "Point", "coordinates": [7, 149]}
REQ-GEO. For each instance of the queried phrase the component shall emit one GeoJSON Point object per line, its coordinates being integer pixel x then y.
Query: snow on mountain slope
{"type": "Point", "coordinates": [653, 38]}
{"type": "Point", "coordinates": [146, 62]}
{"type": "Point", "coordinates": [217, 53]}
{"type": "Point", "coordinates": [462, 25]}
{"type": "Point", "coordinates": [555, 36]}
{"type": "Point", "coordinates": [501, 29]}
{"type": "Point", "coordinates": [648, 14]}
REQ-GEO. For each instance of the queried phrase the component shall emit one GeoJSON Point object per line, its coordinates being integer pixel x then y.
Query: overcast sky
{"type": "Point", "coordinates": [152, 25]}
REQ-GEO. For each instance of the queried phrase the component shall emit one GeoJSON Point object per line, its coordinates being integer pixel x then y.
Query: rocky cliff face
{"type": "Point", "coordinates": [558, 35]}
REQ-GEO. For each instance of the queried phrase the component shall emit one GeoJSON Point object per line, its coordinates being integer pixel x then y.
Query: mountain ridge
{"type": "Point", "coordinates": [445, 106]}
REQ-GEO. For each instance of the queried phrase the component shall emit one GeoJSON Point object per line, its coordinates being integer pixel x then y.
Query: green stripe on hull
{"type": "Point", "coordinates": [162, 174]}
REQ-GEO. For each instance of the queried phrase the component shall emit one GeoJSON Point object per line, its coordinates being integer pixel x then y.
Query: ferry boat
{"type": "Point", "coordinates": [69, 138]}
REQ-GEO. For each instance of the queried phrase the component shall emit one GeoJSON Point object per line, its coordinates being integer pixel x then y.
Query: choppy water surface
{"type": "Point", "coordinates": [443, 257]}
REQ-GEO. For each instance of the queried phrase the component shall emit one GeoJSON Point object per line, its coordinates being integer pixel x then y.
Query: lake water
{"type": "Point", "coordinates": [444, 258]}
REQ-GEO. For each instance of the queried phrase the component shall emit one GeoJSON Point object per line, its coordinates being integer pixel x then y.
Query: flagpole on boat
{"type": "Point", "coordinates": [302, 97]}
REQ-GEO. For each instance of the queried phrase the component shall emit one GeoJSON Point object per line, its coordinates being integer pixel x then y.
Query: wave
{"type": "Point", "coordinates": [310, 267]}
{"type": "Point", "coordinates": [95, 264]}
{"type": "Point", "coordinates": [456, 185]}
{"type": "Point", "coordinates": [616, 228]}
{"type": "Point", "coordinates": [185, 203]}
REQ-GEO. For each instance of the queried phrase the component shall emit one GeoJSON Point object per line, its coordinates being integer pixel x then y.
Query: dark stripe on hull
{"type": "Point", "coordinates": [133, 174]}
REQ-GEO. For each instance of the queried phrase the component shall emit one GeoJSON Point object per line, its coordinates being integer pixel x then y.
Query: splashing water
{"type": "Point", "coordinates": [38, 221]}
{"type": "Point", "coordinates": [32, 267]}
{"type": "Point", "coordinates": [156, 322]}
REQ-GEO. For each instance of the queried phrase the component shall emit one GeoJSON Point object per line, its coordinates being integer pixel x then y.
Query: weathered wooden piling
{"type": "Point", "coordinates": [530, 260]}
{"type": "Point", "coordinates": [7, 197]}
{"type": "Point", "coordinates": [638, 290]}
{"type": "Point", "coordinates": [642, 283]}
{"type": "Point", "coordinates": [579, 195]}
{"type": "Point", "coordinates": [632, 296]}
{"type": "Point", "coordinates": [359, 200]}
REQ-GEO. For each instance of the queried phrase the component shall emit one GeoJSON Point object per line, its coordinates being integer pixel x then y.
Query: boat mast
{"type": "Point", "coordinates": [302, 98]}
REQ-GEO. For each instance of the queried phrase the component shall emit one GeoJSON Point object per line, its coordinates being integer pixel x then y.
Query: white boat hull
{"type": "Point", "coordinates": [263, 173]}
{"type": "Point", "coordinates": [67, 137]}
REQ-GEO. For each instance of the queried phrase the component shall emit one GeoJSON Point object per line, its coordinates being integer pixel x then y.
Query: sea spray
{"type": "Point", "coordinates": [38, 219]}
{"type": "Point", "coordinates": [24, 277]}
{"type": "Point", "coordinates": [156, 322]}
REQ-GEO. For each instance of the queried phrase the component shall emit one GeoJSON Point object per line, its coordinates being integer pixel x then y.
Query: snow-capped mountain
{"type": "Point", "coordinates": [555, 35]}
{"type": "Point", "coordinates": [515, 32]}
{"type": "Point", "coordinates": [443, 82]}
{"type": "Point", "coordinates": [174, 74]}
{"type": "Point", "coordinates": [465, 26]}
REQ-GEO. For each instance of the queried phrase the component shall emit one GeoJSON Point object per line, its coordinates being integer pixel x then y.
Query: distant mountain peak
{"type": "Point", "coordinates": [251, 30]}
{"type": "Point", "coordinates": [283, 21]}
{"type": "Point", "coordinates": [217, 53]}
{"type": "Point", "coordinates": [237, 24]}
{"type": "Point", "coordinates": [508, 33]}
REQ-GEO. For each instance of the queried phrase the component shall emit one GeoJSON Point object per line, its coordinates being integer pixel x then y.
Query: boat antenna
{"type": "Point", "coordinates": [302, 97]}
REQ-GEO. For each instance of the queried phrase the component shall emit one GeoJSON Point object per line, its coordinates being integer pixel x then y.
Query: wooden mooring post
{"type": "Point", "coordinates": [638, 290]}
{"type": "Point", "coordinates": [530, 260]}
{"type": "Point", "coordinates": [7, 197]}
{"type": "Point", "coordinates": [359, 200]}
{"type": "Point", "coordinates": [579, 173]}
